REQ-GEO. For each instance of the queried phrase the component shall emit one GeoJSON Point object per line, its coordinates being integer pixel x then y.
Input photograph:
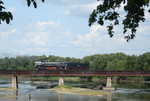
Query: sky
{"type": "Point", "coordinates": [60, 28]}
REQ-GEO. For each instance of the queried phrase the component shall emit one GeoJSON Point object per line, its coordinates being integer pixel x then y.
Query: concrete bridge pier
{"type": "Point", "coordinates": [108, 84]}
{"type": "Point", "coordinates": [61, 81]}
{"type": "Point", "coordinates": [15, 82]}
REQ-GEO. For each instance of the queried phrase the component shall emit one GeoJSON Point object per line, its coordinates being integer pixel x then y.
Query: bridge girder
{"type": "Point", "coordinates": [72, 73]}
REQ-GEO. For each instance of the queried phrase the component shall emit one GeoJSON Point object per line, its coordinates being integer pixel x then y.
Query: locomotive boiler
{"type": "Point", "coordinates": [42, 65]}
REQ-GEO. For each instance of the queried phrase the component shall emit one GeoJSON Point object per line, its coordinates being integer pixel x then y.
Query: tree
{"type": "Point", "coordinates": [4, 16]}
{"type": "Point", "coordinates": [108, 11]}
{"type": "Point", "coordinates": [121, 65]}
{"type": "Point", "coordinates": [7, 16]}
{"type": "Point", "coordinates": [4, 63]}
{"type": "Point", "coordinates": [43, 58]}
{"type": "Point", "coordinates": [144, 61]}
{"type": "Point", "coordinates": [131, 63]}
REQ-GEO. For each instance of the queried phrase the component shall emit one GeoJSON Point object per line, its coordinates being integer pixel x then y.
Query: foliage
{"type": "Point", "coordinates": [27, 62]}
{"type": "Point", "coordinates": [4, 16]}
{"type": "Point", "coordinates": [6, 88]}
{"type": "Point", "coordinates": [7, 16]}
{"type": "Point", "coordinates": [33, 2]}
{"type": "Point", "coordinates": [63, 87]}
{"type": "Point", "coordinates": [108, 11]}
{"type": "Point", "coordinates": [118, 61]}
{"type": "Point", "coordinates": [114, 61]}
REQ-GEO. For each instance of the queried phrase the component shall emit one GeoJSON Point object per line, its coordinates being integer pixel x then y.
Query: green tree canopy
{"type": "Point", "coordinates": [108, 11]}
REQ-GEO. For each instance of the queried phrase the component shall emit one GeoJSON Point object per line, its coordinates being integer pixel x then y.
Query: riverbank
{"type": "Point", "coordinates": [3, 96]}
{"type": "Point", "coordinates": [79, 91]}
{"type": "Point", "coordinates": [125, 91]}
{"type": "Point", "coordinates": [6, 88]}
{"type": "Point", "coordinates": [6, 96]}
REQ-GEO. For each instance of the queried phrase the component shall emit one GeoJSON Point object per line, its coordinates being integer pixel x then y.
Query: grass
{"type": "Point", "coordinates": [79, 91]}
{"type": "Point", "coordinates": [66, 78]}
{"type": "Point", "coordinates": [77, 79]}
{"type": "Point", "coordinates": [3, 83]}
{"type": "Point", "coordinates": [64, 87]}
{"type": "Point", "coordinates": [91, 93]}
{"type": "Point", "coordinates": [6, 88]}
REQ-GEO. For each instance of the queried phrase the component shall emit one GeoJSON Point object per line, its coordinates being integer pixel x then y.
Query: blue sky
{"type": "Point", "coordinates": [60, 27]}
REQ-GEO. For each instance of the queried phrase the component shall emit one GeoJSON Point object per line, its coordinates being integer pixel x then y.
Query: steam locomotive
{"type": "Point", "coordinates": [42, 65]}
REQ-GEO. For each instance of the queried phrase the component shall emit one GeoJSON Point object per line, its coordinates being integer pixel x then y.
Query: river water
{"type": "Point", "coordinates": [28, 92]}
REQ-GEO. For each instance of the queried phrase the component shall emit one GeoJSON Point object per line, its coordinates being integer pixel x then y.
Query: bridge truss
{"type": "Point", "coordinates": [73, 73]}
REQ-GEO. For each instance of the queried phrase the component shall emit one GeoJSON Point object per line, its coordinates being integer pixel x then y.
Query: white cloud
{"type": "Point", "coordinates": [66, 12]}
{"type": "Point", "coordinates": [143, 31]}
{"type": "Point", "coordinates": [44, 26]}
{"type": "Point", "coordinates": [36, 38]}
{"type": "Point", "coordinates": [40, 37]}
{"type": "Point", "coordinates": [12, 9]}
{"type": "Point", "coordinates": [65, 35]}
{"type": "Point", "coordinates": [38, 49]}
{"type": "Point", "coordinates": [8, 33]}
{"type": "Point", "coordinates": [42, 33]}
{"type": "Point", "coordinates": [51, 38]}
{"type": "Point", "coordinates": [93, 38]}
{"type": "Point", "coordinates": [13, 31]}
{"type": "Point", "coordinates": [3, 34]}
{"type": "Point", "coordinates": [147, 16]}
{"type": "Point", "coordinates": [70, 2]}
{"type": "Point", "coordinates": [98, 41]}
{"type": "Point", "coordinates": [25, 41]}
{"type": "Point", "coordinates": [40, 40]}
{"type": "Point", "coordinates": [82, 10]}
{"type": "Point", "coordinates": [47, 35]}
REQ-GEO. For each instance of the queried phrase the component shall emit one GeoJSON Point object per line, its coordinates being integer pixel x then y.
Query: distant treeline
{"type": "Point", "coordinates": [114, 61]}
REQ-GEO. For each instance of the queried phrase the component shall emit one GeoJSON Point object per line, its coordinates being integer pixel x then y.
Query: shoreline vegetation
{"type": "Point", "coordinates": [64, 89]}
{"type": "Point", "coordinates": [6, 88]}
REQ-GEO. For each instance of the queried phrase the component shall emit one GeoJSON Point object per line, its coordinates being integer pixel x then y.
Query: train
{"type": "Point", "coordinates": [47, 65]}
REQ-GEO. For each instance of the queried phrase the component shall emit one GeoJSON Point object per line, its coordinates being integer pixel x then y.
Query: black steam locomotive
{"type": "Point", "coordinates": [42, 65]}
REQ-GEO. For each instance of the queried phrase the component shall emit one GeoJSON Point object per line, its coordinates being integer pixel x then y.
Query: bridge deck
{"type": "Point", "coordinates": [73, 73]}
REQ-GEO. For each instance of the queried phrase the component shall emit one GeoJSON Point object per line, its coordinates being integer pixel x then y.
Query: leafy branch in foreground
{"type": "Point", "coordinates": [4, 16]}
{"type": "Point", "coordinates": [107, 11]}
{"type": "Point", "coordinates": [7, 16]}
{"type": "Point", "coordinates": [34, 3]}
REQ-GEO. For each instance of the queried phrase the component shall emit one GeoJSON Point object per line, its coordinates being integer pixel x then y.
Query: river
{"type": "Point", "coordinates": [28, 92]}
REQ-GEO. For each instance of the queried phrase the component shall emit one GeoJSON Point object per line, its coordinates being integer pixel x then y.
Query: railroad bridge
{"type": "Point", "coordinates": [64, 73]}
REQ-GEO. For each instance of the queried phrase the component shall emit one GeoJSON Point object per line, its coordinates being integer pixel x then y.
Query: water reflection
{"type": "Point", "coordinates": [46, 95]}
{"type": "Point", "coordinates": [15, 94]}
{"type": "Point", "coordinates": [86, 98]}
{"type": "Point", "coordinates": [109, 96]}
{"type": "Point", "coordinates": [61, 97]}
{"type": "Point", "coordinates": [25, 88]}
